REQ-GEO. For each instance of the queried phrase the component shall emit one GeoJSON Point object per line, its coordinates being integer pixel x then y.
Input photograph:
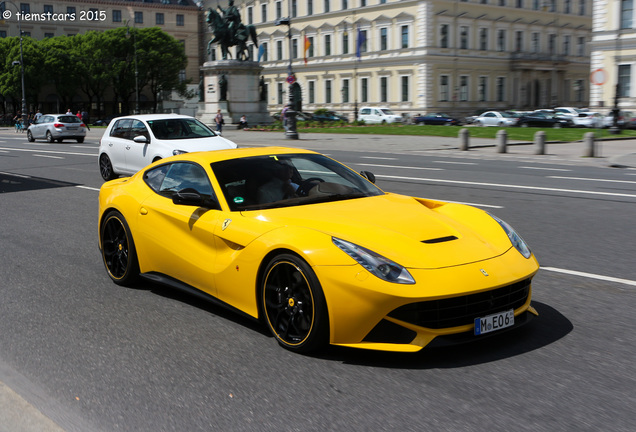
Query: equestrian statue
{"type": "Point", "coordinates": [230, 31]}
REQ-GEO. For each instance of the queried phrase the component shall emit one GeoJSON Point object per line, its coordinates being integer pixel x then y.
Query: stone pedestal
{"type": "Point", "coordinates": [243, 96]}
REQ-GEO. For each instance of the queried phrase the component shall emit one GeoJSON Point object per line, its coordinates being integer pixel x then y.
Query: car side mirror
{"type": "Point", "coordinates": [140, 139]}
{"type": "Point", "coordinates": [368, 175]}
{"type": "Point", "coordinates": [191, 197]}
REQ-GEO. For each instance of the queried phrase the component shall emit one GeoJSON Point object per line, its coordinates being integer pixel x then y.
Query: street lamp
{"type": "Point", "coordinates": [290, 114]}
{"type": "Point", "coordinates": [24, 107]}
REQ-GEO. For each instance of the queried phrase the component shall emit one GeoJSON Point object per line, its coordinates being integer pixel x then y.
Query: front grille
{"type": "Point", "coordinates": [462, 310]}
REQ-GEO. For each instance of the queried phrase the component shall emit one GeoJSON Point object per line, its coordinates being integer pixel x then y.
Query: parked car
{"type": "Point", "coordinates": [300, 116]}
{"type": "Point", "coordinates": [130, 143]}
{"type": "Point", "coordinates": [328, 116]}
{"type": "Point", "coordinates": [496, 118]}
{"type": "Point", "coordinates": [376, 115]}
{"type": "Point", "coordinates": [334, 260]}
{"type": "Point", "coordinates": [542, 119]}
{"type": "Point", "coordinates": [437, 119]}
{"type": "Point", "coordinates": [588, 119]}
{"type": "Point", "coordinates": [625, 118]}
{"type": "Point", "coordinates": [569, 111]}
{"type": "Point", "coordinates": [57, 127]}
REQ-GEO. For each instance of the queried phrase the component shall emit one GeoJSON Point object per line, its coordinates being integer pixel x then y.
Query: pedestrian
{"type": "Point", "coordinates": [219, 121]}
{"type": "Point", "coordinates": [38, 114]}
{"type": "Point", "coordinates": [243, 122]}
{"type": "Point", "coordinates": [85, 119]}
{"type": "Point", "coordinates": [68, 111]}
{"type": "Point", "coordinates": [283, 115]}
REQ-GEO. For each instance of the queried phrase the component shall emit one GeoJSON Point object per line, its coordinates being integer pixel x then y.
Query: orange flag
{"type": "Point", "coordinates": [307, 45]}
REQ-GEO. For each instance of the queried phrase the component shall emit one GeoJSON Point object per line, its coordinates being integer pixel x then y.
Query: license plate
{"type": "Point", "coordinates": [72, 127]}
{"type": "Point", "coordinates": [494, 322]}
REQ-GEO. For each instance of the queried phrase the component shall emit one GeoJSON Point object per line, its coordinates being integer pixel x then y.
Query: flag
{"type": "Point", "coordinates": [307, 45]}
{"type": "Point", "coordinates": [261, 51]}
{"type": "Point", "coordinates": [362, 38]}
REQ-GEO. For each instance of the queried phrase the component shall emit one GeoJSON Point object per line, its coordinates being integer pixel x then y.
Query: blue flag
{"type": "Point", "coordinates": [261, 51]}
{"type": "Point", "coordinates": [362, 38]}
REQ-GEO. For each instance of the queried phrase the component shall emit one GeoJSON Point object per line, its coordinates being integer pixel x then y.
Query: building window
{"type": "Point", "coordinates": [139, 17]}
{"type": "Point", "coordinates": [310, 7]}
{"type": "Point", "coordinates": [328, 45]}
{"type": "Point", "coordinates": [443, 88]}
{"type": "Point", "coordinates": [364, 90]}
{"type": "Point", "coordinates": [535, 4]}
{"type": "Point", "coordinates": [443, 36]}
{"type": "Point", "coordinates": [405, 89]}
{"type": "Point", "coordinates": [567, 6]}
{"type": "Point", "coordinates": [405, 36]}
{"type": "Point", "coordinates": [294, 9]}
{"type": "Point", "coordinates": [182, 75]}
{"type": "Point", "coordinates": [327, 6]}
{"type": "Point", "coordinates": [345, 43]}
{"type": "Point", "coordinates": [48, 35]}
{"type": "Point", "coordinates": [382, 1]}
{"type": "Point", "coordinates": [624, 79]}
{"type": "Point", "coordinates": [265, 51]}
{"type": "Point", "coordinates": [345, 91]}
{"type": "Point", "coordinates": [501, 40]}
{"type": "Point", "coordinates": [363, 3]}
{"type": "Point", "coordinates": [312, 92]}
{"type": "Point", "coordinates": [483, 39]}
{"type": "Point", "coordinates": [463, 37]}
{"type": "Point", "coordinates": [580, 46]}
{"type": "Point", "coordinates": [3, 33]}
{"type": "Point", "coordinates": [345, 5]}
{"type": "Point", "coordinates": [384, 89]}
{"type": "Point", "coordinates": [463, 88]}
{"type": "Point", "coordinates": [580, 90]}
{"type": "Point", "coordinates": [384, 45]}
{"type": "Point", "coordinates": [279, 10]}
{"type": "Point", "coordinates": [250, 15]}
{"type": "Point", "coordinates": [535, 42]}
{"type": "Point", "coordinates": [519, 41]}
{"type": "Point", "coordinates": [483, 89]}
{"type": "Point", "coordinates": [310, 51]}
{"type": "Point", "coordinates": [581, 7]}
{"type": "Point", "coordinates": [264, 12]}
{"type": "Point", "coordinates": [627, 14]}
{"type": "Point", "coordinates": [159, 19]}
{"type": "Point", "coordinates": [25, 8]}
{"type": "Point", "coordinates": [363, 44]}
{"type": "Point", "coordinates": [49, 9]}
{"type": "Point", "coordinates": [552, 44]}
{"type": "Point", "coordinates": [279, 50]}
{"type": "Point", "coordinates": [520, 4]}
{"type": "Point", "coordinates": [501, 89]}
{"type": "Point", "coordinates": [294, 48]}
{"type": "Point", "coordinates": [566, 45]}
{"type": "Point", "coordinates": [180, 20]}
{"type": "Point", "coordinates": [116, 14]}
{"type": "Point", "coordinates": [328, 91]}
{"type": "Point", "coordinates": [281, 93]}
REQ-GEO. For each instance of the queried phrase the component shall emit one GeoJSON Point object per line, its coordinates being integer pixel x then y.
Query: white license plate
{"type": "Point", "coordinates": [494, 322]}
{"type": "Point", "coordinates": [72, 127]}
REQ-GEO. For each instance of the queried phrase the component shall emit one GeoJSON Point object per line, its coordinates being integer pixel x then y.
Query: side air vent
{"type": "Point", "coordinates": [439, 240]}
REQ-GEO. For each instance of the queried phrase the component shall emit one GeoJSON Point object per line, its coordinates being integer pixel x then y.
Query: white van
{"type": "Point", "coordinates": [374, 115]}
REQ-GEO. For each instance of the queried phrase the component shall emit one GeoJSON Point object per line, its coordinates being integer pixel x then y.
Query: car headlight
{"type": "Point", "coordinates": [379, 266]}
{"type": "Point", "coordinates": [515, 238]}
{"type": "Point", "coordinates": [178, 152]}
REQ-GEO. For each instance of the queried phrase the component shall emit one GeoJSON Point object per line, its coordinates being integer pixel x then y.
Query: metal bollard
{"type": "Point", "coordinates": [464, 139]}
{"type": "Point", "coordinates": [539, 143]}
{"type": "Point", "coordinates": [590, 145]}
{"type": "Point", "coordinates": [502, 141]}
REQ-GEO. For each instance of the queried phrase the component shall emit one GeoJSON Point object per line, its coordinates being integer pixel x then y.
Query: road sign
{"type": "Point", "coordinates": [598, 76]}
{"type": "Point", "coordinates": [291, 79]}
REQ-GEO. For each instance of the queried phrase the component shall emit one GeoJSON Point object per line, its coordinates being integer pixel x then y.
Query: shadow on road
{"type": "Point", "coordinates": [17, 183]}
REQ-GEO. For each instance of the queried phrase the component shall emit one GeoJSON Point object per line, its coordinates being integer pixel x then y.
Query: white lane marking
{"type": "Point", "coordinates": [48, 156]}
{"type": "Point", "coordinates": [87, 187]}
{"type": "Point", "coordinates": [4, 151]}
{"type": "Point", "coordinates": [536, 188]}
{"type": "Point", "coordinates": [544, 168]}
{"type": "Point", "coordinates": [455, 163]}
{"type": "Point", "coordinates": [87, 147]}
{"type": "Point", "coordinates": [49, 151]}
{"type": "Point", "coordinates": [593, 179]}
{"type": "Point", "coordinates": [590, 275]}
{"type": "Point", "coordinates": [381, 158]}
{"type": "Point", "coordinates": [394, 166]}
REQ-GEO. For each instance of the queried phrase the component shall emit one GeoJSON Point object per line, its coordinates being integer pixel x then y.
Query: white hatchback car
{"type": "Point", "coordinates": [133, 142]}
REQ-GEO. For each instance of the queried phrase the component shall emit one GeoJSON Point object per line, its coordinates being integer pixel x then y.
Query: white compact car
{"type": "Point", "coordinates": [373, 115]}
{"type": "Point", "coordinates": [588, 120]}
{"type": "Point", "coordinates": [132, 142]}
{"type": "Point", "coordinates": [496, 118]}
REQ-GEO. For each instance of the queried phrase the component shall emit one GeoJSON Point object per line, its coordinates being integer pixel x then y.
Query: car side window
{"type": "Point", "coordinates": [121, 128]}
{"type": "Point", "coordinates": [170, 178]}
{"type": "Point", "coordinates": [138, 128]}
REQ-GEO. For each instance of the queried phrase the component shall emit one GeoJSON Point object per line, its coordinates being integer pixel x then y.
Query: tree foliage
{"type": "Point", "coordinates": [92, 65]}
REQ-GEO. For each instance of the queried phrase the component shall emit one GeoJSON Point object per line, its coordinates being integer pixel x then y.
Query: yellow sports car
{"type": "Point", "coordinates": [315, 250]}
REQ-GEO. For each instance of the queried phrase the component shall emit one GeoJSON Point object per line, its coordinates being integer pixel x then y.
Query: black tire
{"type": "Point", "coordinates": [49, 137]}
{"type": "Point", "coordinates": [524, 124]}
{"type": "Point", "coordinates": [293, 304]}
{"type": "Point", "coordinates": [80, 140]}
{"type": "Point", "coordinates": [106, 168]}
{"type": "Point", "coordinates": [118, 250]}
{"type": "Point", "coordinates": [30, 136]}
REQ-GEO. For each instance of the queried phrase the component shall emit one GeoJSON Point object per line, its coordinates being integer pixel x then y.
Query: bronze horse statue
{"type": "Point", "coordinates": [230, 31]}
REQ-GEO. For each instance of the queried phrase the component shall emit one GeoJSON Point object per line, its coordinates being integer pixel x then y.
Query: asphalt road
{"type": "Point", "coordinates": [92, 356]}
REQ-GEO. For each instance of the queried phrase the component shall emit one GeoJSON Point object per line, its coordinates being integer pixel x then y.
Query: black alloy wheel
{"type": "Point", "coordinates": [30, 136]}
{"type": "Point", "coordinates": [294, 305]}
{"type": "Point", "coordinates": [106, 168]}
{"type": "Point", "coordinates": [118, 250]}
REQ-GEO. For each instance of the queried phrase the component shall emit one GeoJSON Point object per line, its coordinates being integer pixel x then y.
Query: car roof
{"type": "Point", "coordinates": [147, 117]}
{"type": "Point", "coordinates": [208, 157]}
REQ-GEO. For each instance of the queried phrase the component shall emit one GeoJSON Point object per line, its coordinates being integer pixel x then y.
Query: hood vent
{"type": "Point", "coordinates": [440, 239]}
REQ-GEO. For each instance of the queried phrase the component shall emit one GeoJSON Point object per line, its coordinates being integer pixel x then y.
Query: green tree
{"type": "Point", "coordinates": [94, 67]}
{"type": "Point", "coordinates": [61, 63]}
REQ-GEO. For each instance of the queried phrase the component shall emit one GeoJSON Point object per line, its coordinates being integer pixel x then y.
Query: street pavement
{"type": "Point", "coordinates": [18, 415]}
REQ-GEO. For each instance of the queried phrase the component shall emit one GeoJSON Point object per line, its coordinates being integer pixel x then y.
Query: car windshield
{"type": "Point", "coordinates": [275, 181]}
{"type": "Point", "coordinates": [69, 119]}
{"type": "Point", "coordinates": [179, 128]}
{"type": "Point", "coordinates": [387, 111]}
